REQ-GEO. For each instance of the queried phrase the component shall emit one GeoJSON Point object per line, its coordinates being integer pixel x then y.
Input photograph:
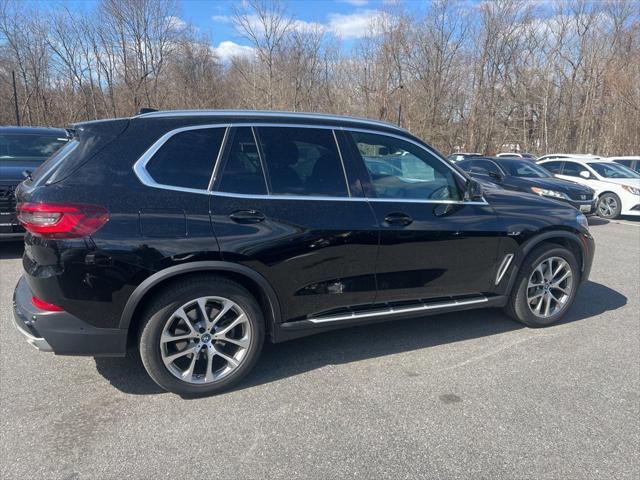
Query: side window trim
{"type": "Point", "coordinates": [146, 179]}
{"type": "Point", "coordinates": [140, 166]}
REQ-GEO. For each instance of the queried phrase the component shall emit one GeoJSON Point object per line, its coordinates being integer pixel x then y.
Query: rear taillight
{"type": "Point", "coordinates": [61, 220]}
{"type": "Point", "coordinates": [42, 305]}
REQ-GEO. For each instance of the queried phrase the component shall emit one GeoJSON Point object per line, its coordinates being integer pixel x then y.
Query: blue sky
{"type": "Point", "coordinates": [347, 19]}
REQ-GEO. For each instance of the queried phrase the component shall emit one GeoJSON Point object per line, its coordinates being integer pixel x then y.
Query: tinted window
{"type": "Point", "coordinates": [553, 167]}
{"type": "Point", "coordinates": [626, 163]}
{"type": "Point", "coordinates": [572, 169]}
{"type": "Point", "coordinates": [412, 172]}
{"type": "Point", "coordinates": [187, 158]}
{"type": "Point", "coordinates": [524, 168]}
{"type": "Point", "coordinates": [302, 161]}
{"type": "Point", "coordinates": [484, 167]}
{"type": "Point", "coordinates": [31, 147]}
{"type": "Point", "coordinates": [613, 170]}
{"type": "Point", "coordinates": [243, 171]}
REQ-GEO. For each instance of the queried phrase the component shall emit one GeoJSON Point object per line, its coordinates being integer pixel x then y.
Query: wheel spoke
{"type": "Point", "coordinates": [226, 306]}
{"type": "Point", "coordinates": [222, 333]}
{"type": "Point", "coordinates": [188, 373]}
{"type": "Point", "coordinates": [208, 376]}
{"type": "Point", "coordinates": [202, 309]}
{"type": "Point", "coordinates": [167, 337]}
{"type": "Point", "coordinates": [232, 362]}
{"type": "Point", "coordinates": [241, 342]}
{"type": "Point", "coordinates": [172, 358]}
{"type": "Point", "coordinates": [546, 308]}
{"type": "Point", "coordinates": [180, 313]}
{"type": "Point", "coordinates": [565, 276]}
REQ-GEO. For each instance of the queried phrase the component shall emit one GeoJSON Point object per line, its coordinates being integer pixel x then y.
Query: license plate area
{"type": "Point", "coordinates": [585, 208]}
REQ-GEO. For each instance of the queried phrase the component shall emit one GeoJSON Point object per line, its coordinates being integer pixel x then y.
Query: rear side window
{"type": "Point", "coordinates": [302, 161]}
{"type": "Point", "coordinates": [187, 158]}
{"type": "Point", "coordinates": [485, 167]}
{"type": "Point", "coordinates": [243, 170]}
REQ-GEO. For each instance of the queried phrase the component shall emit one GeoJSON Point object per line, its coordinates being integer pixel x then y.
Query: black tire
{"type": "Point", "coordinates": [609, 206]}
{"type": "Point", "coordinates": [518, 306]}
{"type": "Point", "coordinates": [167, 301]}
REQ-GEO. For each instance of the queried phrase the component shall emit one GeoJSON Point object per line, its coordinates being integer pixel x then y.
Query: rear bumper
{"type": "Point", "coordinates": [61, 332]}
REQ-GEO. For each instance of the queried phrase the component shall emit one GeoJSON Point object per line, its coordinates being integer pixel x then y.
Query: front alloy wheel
{"type": "Point", "coordinates": [609, 206]}
{"type": "Point", "coordinates": [549, 287]}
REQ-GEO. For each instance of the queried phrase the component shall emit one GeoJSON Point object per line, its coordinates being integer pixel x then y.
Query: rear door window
{"type": "Point", "coordinates": [302, 161]}
{"type": "Point", "coordinates": [187, 158]}
{"type": "Point", "coordinates": [572, 169]}
{"type": "Point", "coordinates": [553, 167]}
{"type": "Point", "coordinates": [242, 171]}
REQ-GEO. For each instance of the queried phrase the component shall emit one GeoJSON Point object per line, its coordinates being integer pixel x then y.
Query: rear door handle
{"type": "Point", "coordinates": [398, 218]}
{"type": "Point", "coordinates": [247, 216]}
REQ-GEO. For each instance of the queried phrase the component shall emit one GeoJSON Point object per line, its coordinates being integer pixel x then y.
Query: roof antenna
{"type": "Point", "coordinates": [144, 110]}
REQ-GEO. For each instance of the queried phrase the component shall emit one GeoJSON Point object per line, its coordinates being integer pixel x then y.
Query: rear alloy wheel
{"type": "Point", "coordinates": [609, 206]}
{"type": "Point", "coordinates": [201, 336]}
{"type": "Point", "coordinates": [205, 340]}
{"type": "Point", "coordinates": [545, 287]}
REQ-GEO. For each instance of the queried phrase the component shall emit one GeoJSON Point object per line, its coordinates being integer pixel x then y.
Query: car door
{"type": "Point", "coordinates": [432, 242]}
{"type": "Point", "coordinates": [283, 206]}
{"type": "Point", "coordinates": [571, 171]}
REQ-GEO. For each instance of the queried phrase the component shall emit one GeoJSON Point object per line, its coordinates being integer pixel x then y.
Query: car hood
{"type": "Point", "coordinates": [634, 182]}
{"type": "Point", "coordinates": [11, 171]}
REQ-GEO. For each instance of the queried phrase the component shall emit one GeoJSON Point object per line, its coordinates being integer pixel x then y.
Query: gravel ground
{"type": "Point", "coordinates": [468, 395]}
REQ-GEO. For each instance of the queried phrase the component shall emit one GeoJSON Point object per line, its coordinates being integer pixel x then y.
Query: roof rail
{"type": "Point", "coordinates": [265, 114]}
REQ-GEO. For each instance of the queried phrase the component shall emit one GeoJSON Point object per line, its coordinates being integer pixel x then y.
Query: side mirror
{"type": "Point", "coordinates": [585, 174]}
{"type": "Point", "coordinates": [496, 175]}
{"type": "Point", "coordinates": [473, 192]}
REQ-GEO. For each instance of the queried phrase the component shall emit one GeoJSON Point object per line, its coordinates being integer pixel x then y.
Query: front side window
{"type": "Point", "coordinates": [302, 161]}
{"type": "Point", "coordinates": [410, 173]}
{"type": "Point", "coordinates": [187, 158]}
{"type": "Point", "coordinates": [243, 170]}
{"type": "Point", "coordinates": [613, 170]}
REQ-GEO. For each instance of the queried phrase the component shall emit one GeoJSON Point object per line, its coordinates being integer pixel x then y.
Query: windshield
{"type": "Point", "coordinates": [28, 146]}
{"type": "Point", "coordinates": [613, 170]}
{"type": "Point", "coordinates": [524, 168]}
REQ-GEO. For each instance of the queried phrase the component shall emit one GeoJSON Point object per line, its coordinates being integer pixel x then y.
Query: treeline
{"type": "Point", "coordinates": [496, 75]}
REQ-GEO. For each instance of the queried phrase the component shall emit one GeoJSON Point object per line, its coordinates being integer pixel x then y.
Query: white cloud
{"type": "Point", "coordinates": [222, 18]}
{"type": "Point", "coordinates": [357, 3]}
{"type": "Point", "coordinates": [176, 23]}
{"type": "Point", "coordinates": [356, 25]}
{"type": "Point", "coordinates": [228, 49]}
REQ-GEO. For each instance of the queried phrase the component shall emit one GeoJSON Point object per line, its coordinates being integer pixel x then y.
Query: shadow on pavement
{"type": "Point", "coordinates": [359, 343]}
{"type": "Point", "coordinates": [11, 249]}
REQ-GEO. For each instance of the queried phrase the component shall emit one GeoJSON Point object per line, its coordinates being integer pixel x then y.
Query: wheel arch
{"type": "Point", "coordinates": [563, 238]}
{"type": "Point", "coordinates": [245, 276]}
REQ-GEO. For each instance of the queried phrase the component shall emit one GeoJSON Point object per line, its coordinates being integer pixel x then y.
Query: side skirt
{"type": "Point", "coordinates": [309, 326]}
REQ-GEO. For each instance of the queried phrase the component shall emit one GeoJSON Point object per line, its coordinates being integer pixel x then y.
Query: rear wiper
{"type": "Point", "coordinates": [27, 174]}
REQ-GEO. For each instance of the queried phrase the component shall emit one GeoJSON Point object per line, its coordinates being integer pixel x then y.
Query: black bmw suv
{"type": "Point", "coordinates": [196, 235]}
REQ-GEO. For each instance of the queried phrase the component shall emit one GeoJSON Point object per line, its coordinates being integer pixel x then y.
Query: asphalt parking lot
{"type": "Point", "coordinates": [466, 395]}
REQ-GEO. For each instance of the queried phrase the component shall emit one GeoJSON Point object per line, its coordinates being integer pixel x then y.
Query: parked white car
{"type": "Point", "coordinates": [526, 156]}
{"type": "Point", "coordinates": [617, 187]}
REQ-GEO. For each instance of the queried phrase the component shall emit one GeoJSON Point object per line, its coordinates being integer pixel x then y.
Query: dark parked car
{"type": "Point", "coordinates": [456, 157]}
{"type": "Point", "coordinates": [195, 236]}
{"type": "Point", "coordinates": [525, 176]}
{"type": "Point", "coordinates": [22, 150]}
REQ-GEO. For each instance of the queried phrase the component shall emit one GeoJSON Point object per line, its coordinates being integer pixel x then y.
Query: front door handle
{"type": "Point", "coordinates": [398, 218]}
{"type": "Point", "coordinates": [247, 216]}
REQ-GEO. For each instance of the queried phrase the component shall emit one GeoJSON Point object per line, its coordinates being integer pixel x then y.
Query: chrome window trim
{"type": "Point", "coordinates": [262, 165]}
{"type": "Point", "coordinates": [146, 179]}
{"type": "Point", "coordinates": [216, 166]}
{"type": "Point", "coordinates": [139, 167]}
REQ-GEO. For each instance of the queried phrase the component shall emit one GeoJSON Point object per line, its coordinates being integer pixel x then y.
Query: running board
{"type": "Point", "coordinates": [383, 312]}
